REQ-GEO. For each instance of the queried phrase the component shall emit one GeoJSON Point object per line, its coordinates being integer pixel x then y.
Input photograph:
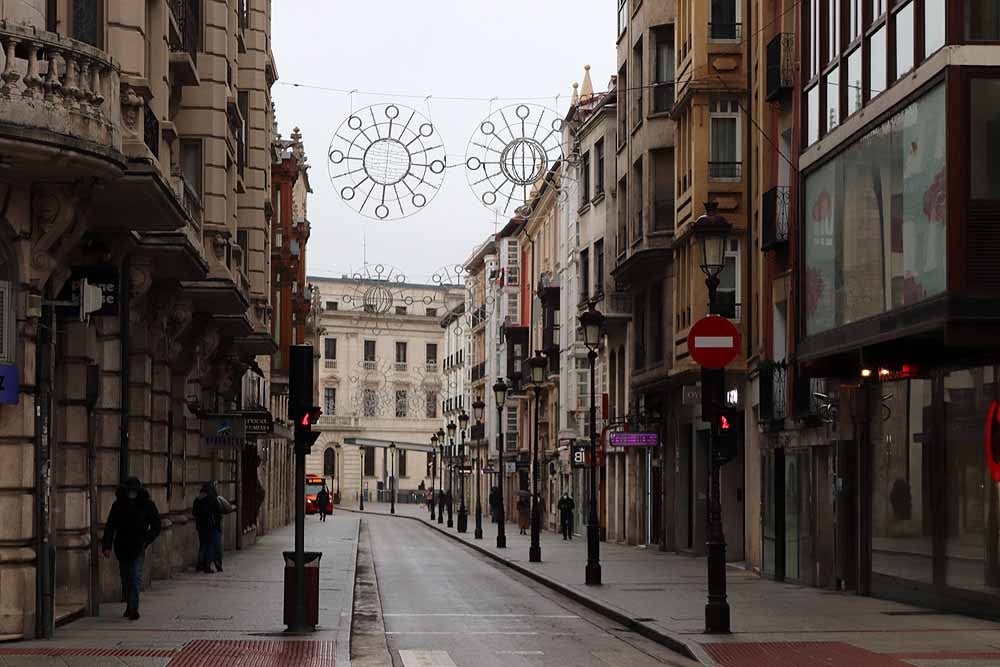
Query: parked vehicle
{"type": "Point", "coordinates": [314, 484]}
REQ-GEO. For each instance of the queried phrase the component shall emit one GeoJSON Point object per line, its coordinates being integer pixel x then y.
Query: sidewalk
{"type": "Point", "coordinates": [223, 620]}
{"type": "Point", "coordinates": [773, 623]}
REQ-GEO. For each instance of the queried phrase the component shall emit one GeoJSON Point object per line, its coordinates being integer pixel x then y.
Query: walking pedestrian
{"type": "Point", "coordinates": [227, 508]}
{"type": "Point", "coordinates": [207, 518]}
{"type": "Point", "coordinates": [566, 507]}
{"type": "Point", "coordinates": [323, 502]}
{"type": "Point", "coordinates": [429, 498]}
{"type": "Point", "coordinates": [133, 524]}
{"type": "Point", "coordinates": [494, 500]}
{"type": "Point", "coordinates": [523, 514]}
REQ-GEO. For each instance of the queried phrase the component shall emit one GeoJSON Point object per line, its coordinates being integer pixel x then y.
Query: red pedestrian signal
{"type": "Point", "coordinates": [311, 416]}
{"type": "Point", "coordinates": [724, 423]}
{"type": "Point", "coordinates": [727, 444]}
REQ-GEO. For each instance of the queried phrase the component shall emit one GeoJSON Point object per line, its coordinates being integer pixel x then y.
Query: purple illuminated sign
{"type": "Point", "coordinates": [635, 440]}
{"type": "Point", "coordinates": [9, 386]}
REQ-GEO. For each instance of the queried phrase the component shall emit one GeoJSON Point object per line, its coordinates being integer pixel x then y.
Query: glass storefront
{"type": "Point", "coordinates": [875, 229]}
{"type": "Point", "coordinates": [902, 530]}
{"type": "Point", "coordinates": [935, 508]}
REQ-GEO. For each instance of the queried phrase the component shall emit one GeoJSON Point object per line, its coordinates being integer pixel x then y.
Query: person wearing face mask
{"type": "Point", "coordinates": [208, 521]}
{"type": "Point", "coordinates": [133, 524]}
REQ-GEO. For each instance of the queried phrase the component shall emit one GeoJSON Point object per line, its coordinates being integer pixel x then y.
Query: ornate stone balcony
{"type": "Point", "coordinates": [58, 93]}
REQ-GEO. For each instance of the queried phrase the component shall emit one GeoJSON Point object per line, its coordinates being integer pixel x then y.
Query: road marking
{"type": "Point", "coordinates": [426, 659]}
{"type": "Point", "coordinates": [466, 632]}
{"type": "Point", "coordinates": [706, 342]}
{"type": "Point", "coordinates": [487, 615]}
{"type": "Point", "coordinates": [520, 652]}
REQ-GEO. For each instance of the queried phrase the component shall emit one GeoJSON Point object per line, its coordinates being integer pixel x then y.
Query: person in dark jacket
{"type": "Point", "coordinates": [208, 521]}
{"type": "Point", "coordinates": [323, 503]}
{"type": "Point", "coordinates": [523, 514]}
{"type": "Point", "coordinates": [133, 524]}
{"type": "Point", "coordinates": [566, 507]}
{"type": "Point", "coordinates": [495, 503]}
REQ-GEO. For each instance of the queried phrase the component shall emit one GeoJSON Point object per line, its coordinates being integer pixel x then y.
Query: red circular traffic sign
{"type": "Point", "coordinates": [713, 341]}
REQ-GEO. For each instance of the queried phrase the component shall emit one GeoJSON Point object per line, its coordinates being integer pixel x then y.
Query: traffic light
{"type": "Point", "coordinates": [304, 435]}
{"type": "Point", "coordinates": [300, 381]}
{"type": "Point", "coordinates": [993, 441]}
{"type": "Point", "coordinates": [727, 436]}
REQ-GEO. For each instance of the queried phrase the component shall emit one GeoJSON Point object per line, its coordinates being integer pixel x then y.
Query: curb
{"type": "Point", "coordinates": [673, 643]}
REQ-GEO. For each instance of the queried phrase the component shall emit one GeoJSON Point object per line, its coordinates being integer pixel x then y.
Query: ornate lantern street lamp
{"type": "Point", "coordinates": [478, 408]}
{"type": "Point", "coordinates": [537, 364]}
{"type": "Point", "coordinates": [500, 396]}
{"type": "Point", "coordinates": [712, 232]}
{"type": "Point", "coordinates": [592, 321]}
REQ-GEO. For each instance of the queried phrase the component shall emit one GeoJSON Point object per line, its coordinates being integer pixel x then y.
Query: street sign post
{"type": "Point", "coordinates": [713, 341]}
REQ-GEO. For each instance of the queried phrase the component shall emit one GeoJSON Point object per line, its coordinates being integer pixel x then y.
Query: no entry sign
{"type": "Point", "coordinates": [713, 341]}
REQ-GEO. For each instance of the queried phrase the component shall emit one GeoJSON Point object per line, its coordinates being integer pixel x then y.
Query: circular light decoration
{"type": "Point", "coordinates": [374, 295]}
{"type": "Point", "coordinates": [386, 161]}
{"type": "Point", "coordinates": [510, 152]}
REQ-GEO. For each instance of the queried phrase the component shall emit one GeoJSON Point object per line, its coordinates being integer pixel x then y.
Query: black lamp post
{"type": "Point", "coordinates": [451, 471]}
{"type": "Point", "coordinates": [478, 408]}
{"type": "Point", "coordinates": [537, 364]}
{"type": "Point", "coordinates": [434, 472]}
{"type": "Point", "coordinates": [463, 511]}
{"type": "Point", "coordinates": [392, 478]}
{"type": "Point", "coordinates": [712, 231]}
{"type": "Point", "coordinates": [592, 321]}
{"type": "Point", "coordinates": [500, 394]}
{"type": "Point", "coordinates": [361, 491]}
{"type": "Point", "coordinates": [441, 498]}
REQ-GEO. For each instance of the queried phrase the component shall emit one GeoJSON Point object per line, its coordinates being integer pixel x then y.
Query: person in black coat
{"type": "Point", "coordinates": [133, 524]}
{"type": "Point", "coordinates": [566, 507]}
{"type": "Point", "coordinates": [323, 503]}
{"type": "Point", "coordinates": [208, 521]}
{"type": "Point", "coordinates": [495, 504]}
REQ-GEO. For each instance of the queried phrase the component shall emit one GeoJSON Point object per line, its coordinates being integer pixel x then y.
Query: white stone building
{"type": "Point", "coordinates": [381, 355]}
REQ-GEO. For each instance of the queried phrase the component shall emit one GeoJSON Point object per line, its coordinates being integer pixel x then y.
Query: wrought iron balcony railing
{"type": "Point", "coordinates": [773, 383]}
{"type": "Point", "coordinates": [775, 210]}
{"type": "Point", "coordinates": [780, 65]}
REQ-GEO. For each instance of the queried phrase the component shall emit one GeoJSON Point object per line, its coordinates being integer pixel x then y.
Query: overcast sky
{"type": "Point", "coordinates": [442, 48]}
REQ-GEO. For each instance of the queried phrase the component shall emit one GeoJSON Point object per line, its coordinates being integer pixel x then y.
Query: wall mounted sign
{"type": "Point", "coordinates": [223, 431]}
{"type": "Point", "coordinates": [258, 423]}
{"type": "Point", "coordinates": [104, 277]}
{"type": "Point", "coordinates": [581, 455]}
{"type": "Point", "coordinates": [635, 440]}
{"type": "Point", "coordinates": [10, 387]}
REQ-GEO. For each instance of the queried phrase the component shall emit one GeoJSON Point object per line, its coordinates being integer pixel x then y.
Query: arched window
{"type": "Point", "coordinates": [329, 462]}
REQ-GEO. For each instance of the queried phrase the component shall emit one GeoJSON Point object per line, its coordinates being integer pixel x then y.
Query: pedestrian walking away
{"type": "Point", "coordinates": [566, 507]}
{"type": "Point", "coordinates": [227, 508]}
{"type": "Point", "coordinates": [494, 503]}
{"type": "Point", "coordinates": [207, 520]}
{"type": "Point", "coordinates": [523, 514]}
{"type": "Point", "coordinates": [323, 503]}
{"type": "Point", "coordinates": [133, 524]}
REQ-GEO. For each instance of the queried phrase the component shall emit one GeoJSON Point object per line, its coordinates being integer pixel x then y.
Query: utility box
{"type": "Point", "coordinates": [311, 559]}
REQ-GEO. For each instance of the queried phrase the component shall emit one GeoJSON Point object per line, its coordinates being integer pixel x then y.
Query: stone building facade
{"type": "Point", "coordinates": [137, 154]}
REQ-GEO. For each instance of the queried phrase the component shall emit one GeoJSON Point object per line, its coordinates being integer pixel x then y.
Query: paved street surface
{"type": "Point", "coordinates": [446, 605]}
{"type": "Point", "coordinates": [228, 619]}
{"type": "Point", "coordinates": [773, 623]}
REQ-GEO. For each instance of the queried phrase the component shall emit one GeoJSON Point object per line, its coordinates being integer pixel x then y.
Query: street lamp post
{"type": "Point", "coordinates": [451, 471]}
{"type": "Point", "coordinates": [592, 321]}
{"type": "Point", "coordinates": [441, 499]}
{"type": "Point", "coordinates": [434, 473]}
{"type": "Point", "coordinates": [361, 491]}
{"type": "Point", "coordinates": [463, 511]}
{"type": "Point", "coordinates": [537, 364]}
{"type": "Point", "coordinates": [477, 411]}
{"type": "Point", "coordinates": [500, 394]}
{"type": "Point", "coordinates": [712, 231]}
{"type": "Point", "coordinates": [392, 478]}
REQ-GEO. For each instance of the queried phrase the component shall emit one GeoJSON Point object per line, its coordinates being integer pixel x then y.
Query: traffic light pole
{"type": "Point", "coordinates": [300, 540]}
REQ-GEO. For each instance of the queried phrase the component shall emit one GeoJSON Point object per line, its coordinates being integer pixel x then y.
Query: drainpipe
{"type": "Point", "coordinates": [45, 563]}
{"type": "Point", "coordinates": [124, 299]}
{"type": "Point", "coordinates": [93, 393]}
{"type": "Point", "coordinates": [750, 254]}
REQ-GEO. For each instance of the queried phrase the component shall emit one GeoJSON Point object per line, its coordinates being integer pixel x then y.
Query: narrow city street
{"type": "Point", "coordinates": [445, 605]}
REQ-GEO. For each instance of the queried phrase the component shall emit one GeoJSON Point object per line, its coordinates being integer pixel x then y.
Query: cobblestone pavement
{"type": "Point", "coordinates": [228, 619]}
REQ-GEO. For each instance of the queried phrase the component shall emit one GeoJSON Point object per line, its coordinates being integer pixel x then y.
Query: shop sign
{"type": "Point", "coordinates": [10, 386]}
{"type": "Point", "coordinates": [581, 455]}
{"type": "Point", "coordinates": [104, 277]}
{"type": "Point", "coordinates": [635, 439]}
{"type": "Point", "coordinates": [510, 467]}
{"type": "Point", "coordinates": [223, 431]}
{"type": "Point", "coordinates": [258, 423]}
